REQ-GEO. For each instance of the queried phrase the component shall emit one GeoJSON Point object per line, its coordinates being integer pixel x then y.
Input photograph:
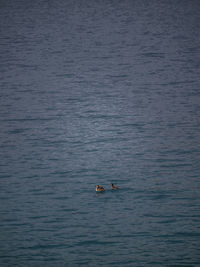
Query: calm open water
{"type": "Point", "coordinates": [94, 92]}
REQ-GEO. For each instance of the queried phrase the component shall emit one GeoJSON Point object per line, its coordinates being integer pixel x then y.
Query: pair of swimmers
{"type": "Point", "coordinates": [101, 188]}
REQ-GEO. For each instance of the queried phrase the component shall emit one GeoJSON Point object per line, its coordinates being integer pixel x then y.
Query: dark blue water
{"type": "Point", "coordinates": [94, 92]}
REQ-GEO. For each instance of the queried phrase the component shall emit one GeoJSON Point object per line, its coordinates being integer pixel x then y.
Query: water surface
{"type": "Point", "coordinates": [94, 92]}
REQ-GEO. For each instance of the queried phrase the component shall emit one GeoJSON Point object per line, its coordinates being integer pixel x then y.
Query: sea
{"type": "Point", "coordinates": [93, 93]}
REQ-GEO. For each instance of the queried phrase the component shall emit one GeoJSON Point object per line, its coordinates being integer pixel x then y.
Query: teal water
{"type": "Point", "coordinates": [94, 92]}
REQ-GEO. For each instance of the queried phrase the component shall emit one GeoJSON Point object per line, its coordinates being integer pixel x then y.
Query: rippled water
{"type": "Point", "coordinates": [94, 92]}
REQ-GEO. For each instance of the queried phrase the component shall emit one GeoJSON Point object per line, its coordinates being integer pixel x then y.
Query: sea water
{"type": "Point", "coordinates": [99, 92]}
